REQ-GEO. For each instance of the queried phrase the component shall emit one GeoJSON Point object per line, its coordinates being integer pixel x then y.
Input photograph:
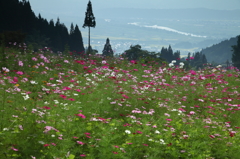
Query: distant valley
{"type": "Point", "coordinates": [177, 28]}
{"type": "Point", "coordinates": [187, 30]}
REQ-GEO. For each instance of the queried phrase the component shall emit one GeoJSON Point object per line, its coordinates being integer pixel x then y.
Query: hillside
{"type": "Point", "coordinates": [17, 18]}
{"type": "Point", "coordinates": [221, 52]}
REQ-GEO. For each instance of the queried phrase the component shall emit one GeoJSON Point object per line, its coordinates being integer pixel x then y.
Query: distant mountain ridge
{"type": "Point", "coordinates": [197, 13]}
{"type": "Point", "coordinates": [221, 52]}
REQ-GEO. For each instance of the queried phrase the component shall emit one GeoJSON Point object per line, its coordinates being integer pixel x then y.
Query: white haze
{"type": "Point", "coordinates": [167, 29]}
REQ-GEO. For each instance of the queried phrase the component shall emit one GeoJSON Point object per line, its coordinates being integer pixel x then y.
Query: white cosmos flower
{"type": "Point", "coordinates": [26, 97]}
{"type": "Point", "coordinates": [162, 141]}
{"type": "Point", "coordinates": [171, 65]}
{"type": "Point", "coordinates": [127, 131]}
{"type": "Point", "coordinates": [33, 82]}
{"type": "Point", "coordinates": [41, 142]}
{"type": "Point", "coordinates": [157, 132]}
{"type": "Point", "coordinates": [5, 129]}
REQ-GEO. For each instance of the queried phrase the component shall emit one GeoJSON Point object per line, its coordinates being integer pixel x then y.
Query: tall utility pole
{"type": "Point", "coordinates": [89, 22]}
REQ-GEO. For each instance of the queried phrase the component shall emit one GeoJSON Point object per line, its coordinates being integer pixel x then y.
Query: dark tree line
{"type": "Point", "coordinates": [17, 16]}
{"type": "Point", "coordinates": [137, 53]}
{"type": "Point", "coordinates": [236, 53]}
{"type": "Point", "coordinates": [196, 60]}
{"type": "Point", "coordinates": [168, 55]}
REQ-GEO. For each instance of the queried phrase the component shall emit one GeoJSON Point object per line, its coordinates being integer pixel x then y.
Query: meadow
{"type": "Point", "coordinates": [64, 107]}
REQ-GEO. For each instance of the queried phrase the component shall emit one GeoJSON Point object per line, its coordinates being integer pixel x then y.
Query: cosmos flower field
{"type": "Point", "coordinates": [60, 107]}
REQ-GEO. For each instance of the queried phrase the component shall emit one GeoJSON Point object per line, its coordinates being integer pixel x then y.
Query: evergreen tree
{"type": "Point", "coordinates": [236, 54]}
{"type": "Point", "coordinates": [164, 54]}
{"type": "Point", "coordinates": [204, 59]}
{"type": "Point", "coordinates": [89, 21]}
{"type": "Point", "coordinates": [167, 54]}
{"type": "Point", "coordinates": [76, 42]}
{"type": "Point", "coordinates": [107, 51]}
{"type": "Point", "coordinates": [71, 29]}
{"type": "Point", "coordinates": [170, 54]}
{"type": "Point", "coordinates": [188, 57]}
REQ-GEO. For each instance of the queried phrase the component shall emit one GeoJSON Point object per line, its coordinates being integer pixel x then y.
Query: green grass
{"type": "Point", "coordinates": [55, 106]}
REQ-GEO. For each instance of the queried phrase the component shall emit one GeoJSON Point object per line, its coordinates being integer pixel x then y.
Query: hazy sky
{"type": "Point", "coordinates": [72, 6]}
{"type": "Point", "coordinates": [212, 4]}
{"type": "Point", "coordinates": [52, 9]}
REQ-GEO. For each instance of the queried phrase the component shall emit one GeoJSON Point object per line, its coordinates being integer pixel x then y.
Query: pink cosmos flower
{"type": "Point", "coordinates": [48, 128]}
{"type": "Point", "coordinates": [66, 88]}
{"type": "Point", "coordinates": [125, 96]}
{"type": "Point", "coordinates": [15, 79]}
{"type": "Point", "coordinates": [192, 112]}
{"type": "Point", "coordinates": [83, 155]}
{"type": "Point", "coordinates": [63, 96]}
{"type": "Point", "coordinates": [78, 90]}
{"type": "Point", "coordinates": [53, 144]}
{"type": "Point", "coordinates": [20, 63]}
{"type": "Point", "coordinates": [45, 107]}
{"type": "Point", "coordinates": [81, 115]}
{"type": "Point", "coordinates": [80, 142]}
{"type": "Point", "coordinates": [129, 143]}
{"type": "Point", "coordinates": [20, 127]}
{"type": "Point", "coordinates": [34, 58]}
{"type": "Point", "coordinates": [14, 149]}
{"type": "Point", "coordinates": [71, 99]}
{"type": "Point", "coordinates": [167, 114]}
{"type": "Point", "coordinates": [105, 67]}
{"type": "Point", "coordinates": [192, 72]}
{"type": "Point", "coordinates": [19, 72]}
{"type": "Point", "coordinates": [132, 61]}
{"type": "Point", "coordinates": [212, 136]}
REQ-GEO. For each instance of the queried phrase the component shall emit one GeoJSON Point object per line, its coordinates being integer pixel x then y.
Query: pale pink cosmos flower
{"type": "Point", "coordinates": [14, 149]}
{"type": "Point", "coordinates": [20, 63]}
{"type": "Point", "coordinates": [48, 128]}
{"type": "Point", "coordinates": [80, 142]}
{"type": "Point", "coordinates": [34, 58]}
{"type": "Point", "coordinates": [20, 127]}
{"type": "Point", "coordinates": [192, 112]}
{"type": "Point", "coordinates": [166, 114]}
{"type": "Point", "coordinates": [53, 144]}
